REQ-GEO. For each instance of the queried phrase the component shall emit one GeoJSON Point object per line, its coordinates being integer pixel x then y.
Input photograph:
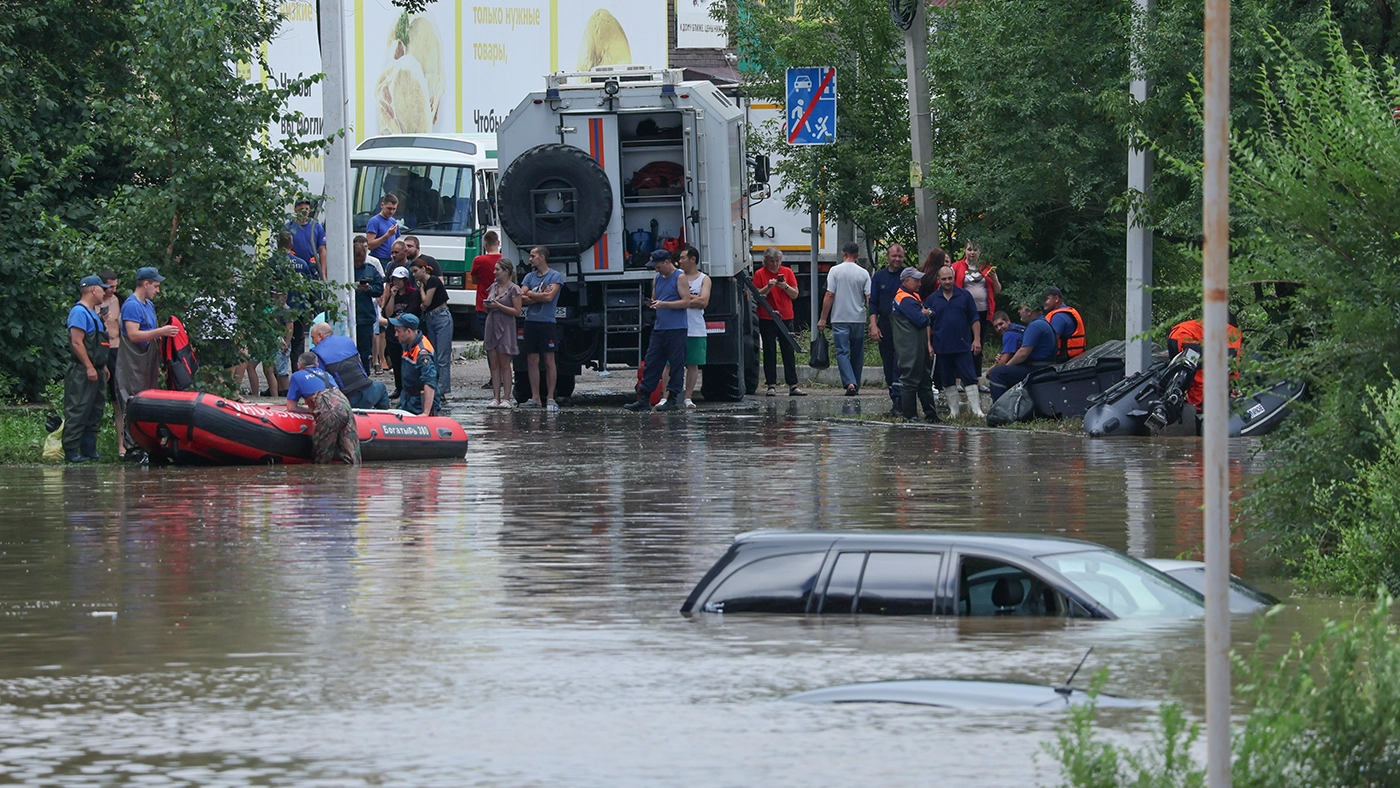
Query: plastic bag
{"type": "Point", "coordinates": [820, 355]}
{"type": "Point", "coordinates": [1013, 406]}
{"type": "Point", "coordinates": [53, 445]}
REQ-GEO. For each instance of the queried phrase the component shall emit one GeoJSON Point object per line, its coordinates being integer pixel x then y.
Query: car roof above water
{"type": "Point", "coordinates": [1021, 544]}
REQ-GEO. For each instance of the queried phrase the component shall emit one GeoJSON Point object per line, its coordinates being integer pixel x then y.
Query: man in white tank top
{"type": "Point", "coordinates": [696, 340]}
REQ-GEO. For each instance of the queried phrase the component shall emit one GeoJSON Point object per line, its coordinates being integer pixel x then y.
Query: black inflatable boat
{"type": "Point", "coordinates": [1125, 408]}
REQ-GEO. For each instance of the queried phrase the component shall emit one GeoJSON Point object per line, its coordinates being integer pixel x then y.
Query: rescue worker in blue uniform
{"type": "Point", "coordinates": [1039, 344]}
{"type": "Point", "coordinates": [340, 356]}
{"type": "Point", "coordinates": [910, 322]}
{"type": "Point", "coordinates": [85, 383]}
{"type": "Point", "coordinates": [420, 372]}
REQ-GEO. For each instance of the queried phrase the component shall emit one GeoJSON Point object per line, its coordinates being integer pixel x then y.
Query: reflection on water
{"type": "Point", "coordinates": [513, 619]}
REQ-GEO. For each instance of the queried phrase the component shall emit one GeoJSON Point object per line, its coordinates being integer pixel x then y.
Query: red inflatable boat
{"type": "Point", "coordinates": [206, 429]}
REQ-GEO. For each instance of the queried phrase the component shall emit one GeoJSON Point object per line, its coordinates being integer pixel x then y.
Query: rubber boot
{"type": "Point", "coordinates": [909, 404]}
{"type": "Point", "coordinates": [974, 400]}
{"type": "Point", "coordinates": [89, 446]}
{"type": "Point", "coordinates": [950, 393]}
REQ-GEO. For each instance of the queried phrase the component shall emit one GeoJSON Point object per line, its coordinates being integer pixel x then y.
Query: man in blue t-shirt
{"type": "Point", "coordinates": [340, 357]}
{"type": "Point", "coordinates": [1038, 348]}
{"type": "Point", "coordinates": [138, 358]}
{"type": "Point", "coordinates": [1011, 335]}
{"type": "Point", "coordinates": [382, 229]}
{"type": "Point", "coordinates": [308, 237]}
{"type": "Point", "coordinates": [541, 293]}
{"type": "Point", "coordinates": [85, 383]}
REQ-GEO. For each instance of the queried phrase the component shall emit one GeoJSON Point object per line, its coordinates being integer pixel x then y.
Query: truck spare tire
{"type": "Point", "coordinates": [533, 216]}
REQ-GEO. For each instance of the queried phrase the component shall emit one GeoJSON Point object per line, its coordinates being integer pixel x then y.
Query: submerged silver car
{"type": "Point", "coordinates": [935, 573]}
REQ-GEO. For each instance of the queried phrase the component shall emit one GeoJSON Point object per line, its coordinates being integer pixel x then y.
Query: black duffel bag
{"type": "Point", "coordinates": [820, 355]}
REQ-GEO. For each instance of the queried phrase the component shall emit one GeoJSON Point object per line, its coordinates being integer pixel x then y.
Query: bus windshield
{"type": "Point", "coordinates": [434, 199]}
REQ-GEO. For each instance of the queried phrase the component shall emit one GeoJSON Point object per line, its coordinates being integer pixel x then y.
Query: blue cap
{"type": "Point", "coordinates": [658, 256]}
{"type": "Point", "coordinates": [149, 272]}
{"type": "Point", "coordinates": [92, 281]}
{"type": "Point", "coordinates": [406, 320]}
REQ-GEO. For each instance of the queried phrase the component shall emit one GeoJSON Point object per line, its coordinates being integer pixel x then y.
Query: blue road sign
{"type": "Point", "coordinates": [811, 105]}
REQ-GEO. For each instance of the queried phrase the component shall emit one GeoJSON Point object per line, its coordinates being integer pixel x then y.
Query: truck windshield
{"type": "Point", "coordinates": [433, 199]}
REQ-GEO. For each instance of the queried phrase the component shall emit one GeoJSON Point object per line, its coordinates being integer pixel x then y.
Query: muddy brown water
{"type": "Point", "coordinates": [512, 619]}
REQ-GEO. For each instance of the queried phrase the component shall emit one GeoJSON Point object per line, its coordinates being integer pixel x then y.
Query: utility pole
{"type": "Point", "coordinates": [340, 266]}
{"type": "Point", "coordinates": [1215, 281]}
{"type": "Point", "coordinates": [1138, 356]}
{"type": "Point", "coordinates": [911, 17]}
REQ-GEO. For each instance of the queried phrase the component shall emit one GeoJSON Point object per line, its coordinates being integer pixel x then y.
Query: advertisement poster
{"type": "Point", "coordinates": [295, 54]}
{"type": "Point", "coordinates": [696, 29]}
{"type": "Point", "coordinates": [461, 67]}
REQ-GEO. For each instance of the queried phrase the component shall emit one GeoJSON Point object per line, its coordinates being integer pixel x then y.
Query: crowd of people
{"type": "Point", "coordinates": [930, 323]}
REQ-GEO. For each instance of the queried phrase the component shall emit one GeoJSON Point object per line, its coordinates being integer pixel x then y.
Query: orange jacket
{"type": "Point", "coordinates": [1074, 344]}
{"type": "Point", "coordinates": [1190, 334]}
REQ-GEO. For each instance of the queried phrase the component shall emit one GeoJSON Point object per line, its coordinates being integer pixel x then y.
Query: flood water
{"type": "Point", "coordinates": [512, 619]}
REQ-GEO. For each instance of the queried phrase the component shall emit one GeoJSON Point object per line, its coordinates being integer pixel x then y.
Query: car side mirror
{"type": "Point", "coordinates": [483, 213]}
{"type": "Point", "coordinates": [760, 169]}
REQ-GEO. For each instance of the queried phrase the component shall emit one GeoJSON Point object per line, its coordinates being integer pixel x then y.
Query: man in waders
{"type": "Point", "coordinates": [138, 357]}
{"type": "Point", "coordinates": [87, 373]}
{"type": "Point", "coordinates": [335, 437]}
{"type": "Point", "coordinates": [910, 322]}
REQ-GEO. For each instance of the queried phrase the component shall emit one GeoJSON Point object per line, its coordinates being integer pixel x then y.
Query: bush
{"type": "Point", "coordinates": [1320, 715]}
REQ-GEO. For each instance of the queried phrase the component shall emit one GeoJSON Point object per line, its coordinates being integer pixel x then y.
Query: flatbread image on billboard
{"type": "Point", "coordinates": [596, 33]}
{"type": "Point", "coordinates": [408, 91]}
{"type": "Point", "coordinates": [604, 42]}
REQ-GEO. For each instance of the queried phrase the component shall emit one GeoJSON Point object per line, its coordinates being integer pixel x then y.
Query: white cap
{"type": "Point", "coordinates": [400, 273]}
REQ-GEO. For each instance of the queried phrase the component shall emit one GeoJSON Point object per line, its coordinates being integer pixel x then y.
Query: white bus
{"type": "Point", "coordinates": [446, 185]}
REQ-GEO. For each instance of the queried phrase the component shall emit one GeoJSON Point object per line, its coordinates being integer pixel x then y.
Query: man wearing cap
{"type": "Point", "coordinates": [909, 319]}
{"type": "Point", "coordinates": [540, 293]}
{"type": "Point", "coordinates": [401, 297]}
{"type": "Point", "coordinates": [338, 356]}
{"type": "Point", "coordinates": [308, 237]}
{"type": "Point", "coordinates": [1068, 325]}
{"type": "Point", "coordinates": [668, 335]}
{"type": "Point", "coordinates": [138, 357]}
{"type": "Point", "coordinates": [1037, 350]}
{"type": "Point", "coordinates": [87, 367]}
{"type": "Point", "coordinates": [420, 372]}
{"type": "Point", "coordinates": [884, 283]}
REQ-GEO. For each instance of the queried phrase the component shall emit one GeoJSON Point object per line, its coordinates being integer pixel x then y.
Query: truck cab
{"type": "Point", "coordinates": [605, 166]}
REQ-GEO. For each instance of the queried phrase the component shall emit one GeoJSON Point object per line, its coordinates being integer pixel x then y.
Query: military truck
{"type": "Point", "coordinates": [601, 168]}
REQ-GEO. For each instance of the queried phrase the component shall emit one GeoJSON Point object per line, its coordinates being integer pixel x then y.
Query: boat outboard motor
{"type": "Point", "coordinates": [1174, 381]}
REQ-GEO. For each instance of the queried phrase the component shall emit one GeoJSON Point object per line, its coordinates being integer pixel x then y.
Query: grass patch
{"type": "Point", "coordinates": [22, 436]}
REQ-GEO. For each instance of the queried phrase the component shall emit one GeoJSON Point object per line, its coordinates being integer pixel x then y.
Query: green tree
{"type": "Point", "coordinates": [863, 177]}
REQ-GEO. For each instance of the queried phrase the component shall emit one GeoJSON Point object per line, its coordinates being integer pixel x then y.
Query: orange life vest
{"type": "Point", "coordinates": [1074, 344]}
{"type": "Point", "coordinates": [422, 344]}
{"type": "Point", "coordinates": [1190, 334]}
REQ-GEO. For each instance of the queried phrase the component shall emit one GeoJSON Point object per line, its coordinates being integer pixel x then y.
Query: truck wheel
{"type": "Point", "coordinates": [521, 389]}
{"type": "Point", "coordinates": [751, 358]}
{"type": "Point", "coordinates": [564, 384]}
{"type": "Point", "coordinates": [721, 383]}
{"type": "Point", "coordinates": [530, 220]}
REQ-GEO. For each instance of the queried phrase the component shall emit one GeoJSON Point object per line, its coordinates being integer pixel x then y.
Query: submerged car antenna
{"type": "Point", "coordinates": [1065, 689]}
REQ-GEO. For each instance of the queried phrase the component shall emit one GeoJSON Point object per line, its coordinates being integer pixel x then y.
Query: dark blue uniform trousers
{"type": "Point", "coordinates": [666, 346]}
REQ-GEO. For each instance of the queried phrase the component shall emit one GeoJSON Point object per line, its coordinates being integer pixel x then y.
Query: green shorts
{"type": "Point", "coordinates": [695, 348]}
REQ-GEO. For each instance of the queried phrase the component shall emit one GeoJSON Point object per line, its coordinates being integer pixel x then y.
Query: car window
{"type": "Point", "coordinates": [988, 587]}
{"type": "Point", "coordinates": [780, 584]}
{"type": "Point", "coordinates": [1128, 588]}
{"type": "Point", "coordinates": [899, 584]}
{"type": "Point", "coordinates": [841, 587]}
{"type": "Point", "coordinates": [1244, 598]}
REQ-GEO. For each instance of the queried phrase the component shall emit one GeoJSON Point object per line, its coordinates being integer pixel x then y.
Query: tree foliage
{"type": "Point", "coordinates": [128, 138]}
{"type": "Point", "coordinates": [863, 177]}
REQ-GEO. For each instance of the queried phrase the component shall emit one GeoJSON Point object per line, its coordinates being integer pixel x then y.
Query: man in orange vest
{"type": "Point", "coordinates": [1068, 325]}
{"type": "Point", "coordinates": [1189, 335]}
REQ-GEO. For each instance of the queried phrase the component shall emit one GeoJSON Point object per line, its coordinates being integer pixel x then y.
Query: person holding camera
{"type": "Point", "coordinates": [369, 286]}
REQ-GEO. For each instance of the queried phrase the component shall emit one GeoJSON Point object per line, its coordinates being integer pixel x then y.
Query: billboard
{"type": "Point", "coordinates": [458, 67]}
{"type": "Point", "coordinates": [696, 29]}
{"type": "Point", "coordinates": [463, 68]}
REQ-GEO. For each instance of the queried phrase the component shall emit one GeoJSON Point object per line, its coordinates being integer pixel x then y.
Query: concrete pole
{"type": "Point", "coordinates": [1138, 356]}
{"type": "Point", "coordinates": [1215, 226]}
{"type": "Point", "coordinates": [920, 130]}
{"type": "Point", "coordinates": [340, 266]}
